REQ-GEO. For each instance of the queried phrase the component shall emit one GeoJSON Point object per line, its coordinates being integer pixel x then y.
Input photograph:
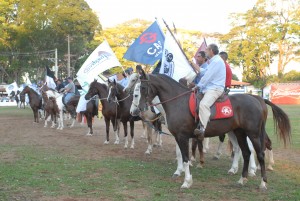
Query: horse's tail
{"type": "Point", "coordinates": [281, 122]}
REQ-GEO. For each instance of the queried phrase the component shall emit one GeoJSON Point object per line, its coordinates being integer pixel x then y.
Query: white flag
{"type": "Point", "coordinates": [12, 87]}
{"type": "Point", "coordinates": [174, 63]}
{"type": "Point", "coordinates": [100, 60]}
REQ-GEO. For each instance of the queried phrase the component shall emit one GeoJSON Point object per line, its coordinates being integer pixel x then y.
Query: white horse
{"type": "Point", "coordinates": [148, 116]}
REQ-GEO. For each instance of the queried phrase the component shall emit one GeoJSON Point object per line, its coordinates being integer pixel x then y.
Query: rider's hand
{"type": "Point", "coordinates": [196, 88]}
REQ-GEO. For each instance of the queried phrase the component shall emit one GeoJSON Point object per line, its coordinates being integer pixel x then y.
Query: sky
{"type": "Point", "coordinates": [204, 15]}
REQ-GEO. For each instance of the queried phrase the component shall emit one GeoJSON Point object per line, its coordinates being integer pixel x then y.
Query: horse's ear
{"type": "Point", "coordinates": [142, 74]}
{"type": "Point", "coordinates": [108, 80]}
{"type": "Point", "coordinates": [115, 82]}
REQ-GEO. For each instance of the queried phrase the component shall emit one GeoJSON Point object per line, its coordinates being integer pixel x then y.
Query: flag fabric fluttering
{"type": "Point", "coordinates": [50, 78]}
{"type": "Point", "coordinates": [174, 62]}
{"type": "Point", "coordinates": [148, 47]}
{"type": "Point", "coordinates": [12, 87]}
{"type": "Point", "coordinates": [202, 47]}
{"type": "Point", "coordinates": [101, 59]}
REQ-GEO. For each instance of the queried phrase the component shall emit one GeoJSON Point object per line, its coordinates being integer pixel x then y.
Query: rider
{"type": "Point", "coordinates": [212, 86]}
{"type": "Point", "coordinates": [224, 56]}
{"type": "Point", "coordinates": [200, 65]}
{"type": "Point", "coordinates": [69, 90]}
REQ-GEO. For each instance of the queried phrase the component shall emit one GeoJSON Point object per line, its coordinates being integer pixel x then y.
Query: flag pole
{"type": "Point", "coordinates": [178, 44]}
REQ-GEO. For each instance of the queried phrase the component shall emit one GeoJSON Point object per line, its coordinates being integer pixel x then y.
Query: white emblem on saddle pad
{"type": "Point", "coordinates": [226, 110]}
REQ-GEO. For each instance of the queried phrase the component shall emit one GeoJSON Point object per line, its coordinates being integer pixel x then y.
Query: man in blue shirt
{"type": "Point", "coordinates": [201, 65]}
{"type": "Point", "coordinates": [212, 86]}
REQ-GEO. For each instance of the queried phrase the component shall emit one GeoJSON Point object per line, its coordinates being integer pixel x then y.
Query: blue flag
{"type": "Point", "coordinates": [148, 47]}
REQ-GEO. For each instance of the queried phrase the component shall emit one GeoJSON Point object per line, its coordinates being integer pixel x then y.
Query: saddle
{"type": "Point", "coordinates": [221, 109]}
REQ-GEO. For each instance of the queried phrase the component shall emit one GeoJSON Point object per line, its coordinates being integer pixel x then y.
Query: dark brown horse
{"type": "Point", "coordinates": [248, 121]}
{"type": "Point", "coordinates": [124, 100]}
{"type": "Point", "coordinates": [89, 113]}
{"type": "Point", "coordinates": [110, 111]}
{"type": "Point", "coordinates": [35, 101]}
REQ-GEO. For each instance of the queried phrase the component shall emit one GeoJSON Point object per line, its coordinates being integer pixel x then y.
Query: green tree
{"type": "Point", "coordinates": [46, 26]}
{"type": "Point", "coordinates": [261, 35]}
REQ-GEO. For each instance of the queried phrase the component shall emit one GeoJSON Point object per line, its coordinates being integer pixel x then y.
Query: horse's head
{"type": "Point", "coordinates": [132, 80]}
{"type": "Point", "coordinates": [145, 93]}
{"type": "Point", "coordinates": [93, 90]}
{"type": "Point", "coordinates": [134, 109]}
{"type": "Point", "coordinates": [25, 90]}
{"type": "Point", "coordinates": [113, 91]}
{"type": "Point", "coordinates": [43, 88]}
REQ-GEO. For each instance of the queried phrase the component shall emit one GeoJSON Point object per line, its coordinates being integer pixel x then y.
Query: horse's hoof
{"type": "Point", "coordinates": [187, 183]}
{"type": "Point", "coordinates": [199, 166]}
{"type": "Point", "coordinates": [117, 142]}
{"type": "Point", "coordinates": [263, 186]}
{"type": "Point", "coordinates": [232, 171]}
{"type": "Point", "coordinates": [125, 147]}
{"type": "Point", "coordinates": [270, 168]}
{"type": "Point", "coordinates": [106, 142]}
{"type": "Point", "coordinates": [216, 157]}
{"type": "Point", "coordinates": [242, 181]}
{"type": "Point", "coordinates": [89, 134]}
{"type": "Point", "coordinates": [193, 159]}
{"type": "Point", "coordinates": [147, 152]}
{"type": "Point", "coordinates": [174, 176]}
{"type": "Point", "coordinates": [131, 147]}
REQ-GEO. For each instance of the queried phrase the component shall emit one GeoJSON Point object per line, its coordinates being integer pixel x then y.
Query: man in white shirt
{"type": "Point", "coordinates": [212, 86]}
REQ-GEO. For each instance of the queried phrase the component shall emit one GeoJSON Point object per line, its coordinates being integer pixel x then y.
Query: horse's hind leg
{"type": "Point", "coordinates": [237, 153]}
{"type": "Point", "coordinates": [219, 150]}
{"type": "Point", "coordinates": [201, 153]}
{"type": "Point", "coordinates": [194, 147]}
{"type": "Point", "coordinates": [256, 141]}
{"type": "Point", "coordinates": [89, 120]}
{"type": "Point", "coordinates": [107, 125]}
{"type": "Point", "coordinates": [132, 134]}
{"type": "Point", "coordinates": [242, 140]}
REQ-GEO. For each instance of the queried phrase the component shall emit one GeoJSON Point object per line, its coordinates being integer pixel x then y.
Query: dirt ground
{"type": "Point", "coordinates": [22, 131]}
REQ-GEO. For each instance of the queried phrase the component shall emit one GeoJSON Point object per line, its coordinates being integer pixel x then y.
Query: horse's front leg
{"type": "Point", "coordinates": [179, 169]}
{"type": "Point", "coordinates": [132, 134]}
{"type": "Point", "coordinates": [125, 134]}
{"type": "Point", "coordinates": [183, 143]}
{"type": "Point", "coordinates": [149, 138]}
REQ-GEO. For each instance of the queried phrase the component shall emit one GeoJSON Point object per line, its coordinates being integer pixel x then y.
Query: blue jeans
{"type": "Point", "coordinates": [68, 97]}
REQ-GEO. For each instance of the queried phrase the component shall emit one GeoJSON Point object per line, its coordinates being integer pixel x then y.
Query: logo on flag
{"type": "Point", "coordinates": [174, 62]}
{"type": "Point", "coordinates": [101, 59]}
{"type": "Point", "coordinates": [147, 48]}
{"type": "Point", "coordinates": [12, 87]}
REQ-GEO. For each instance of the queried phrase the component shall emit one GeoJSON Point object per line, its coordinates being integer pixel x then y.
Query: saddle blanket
{"type": "Point", "coordinates": [219, 110]}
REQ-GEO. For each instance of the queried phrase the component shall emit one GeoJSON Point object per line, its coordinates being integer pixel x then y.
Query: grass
{"type": "Point", "coordinates": [34, 172]}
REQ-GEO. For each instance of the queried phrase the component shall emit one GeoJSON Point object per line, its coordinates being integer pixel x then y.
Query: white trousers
{"type": "Point", "coordinates": [210, 96]}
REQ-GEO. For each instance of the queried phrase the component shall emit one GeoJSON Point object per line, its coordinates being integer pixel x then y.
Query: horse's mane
{"type": "Point", "coordinates": [33, 91]}
{"type": "Point", "coordinates": [99, 84]}
{"type": "Point", "coordinates": [170, 80]}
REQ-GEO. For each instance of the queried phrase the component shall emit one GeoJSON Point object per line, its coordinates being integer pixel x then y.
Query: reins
{"type": "Point", "coordinates": [172, 98]}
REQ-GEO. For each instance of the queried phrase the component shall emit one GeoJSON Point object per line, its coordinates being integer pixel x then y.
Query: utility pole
{"type": "Point", "coordinates": [68, 67]}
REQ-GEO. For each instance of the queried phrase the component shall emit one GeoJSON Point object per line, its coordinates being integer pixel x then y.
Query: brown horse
{"type": "Point", "coordinates": [35, 101]}
{"type": "Point", "coordinates": [89, 113]}
{"type": "Point", "coordinates": [51, 109]}
{"type": "Point", "coordinates": [124, 100]}
{"type": "Point", "coordinates": [110, 111]}
{"type": "Point", "coordinates": [248, 121]}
